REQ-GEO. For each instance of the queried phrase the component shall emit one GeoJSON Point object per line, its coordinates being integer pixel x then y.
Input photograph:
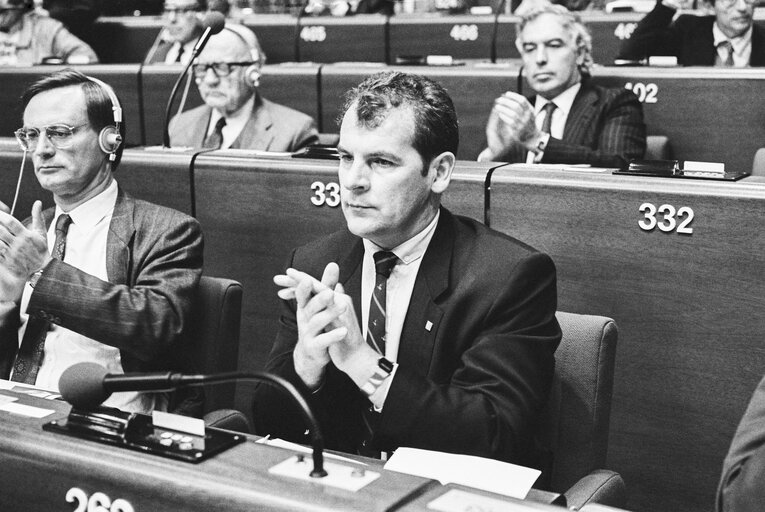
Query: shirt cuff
{"type": "Point", "coordinates": [381, 393]}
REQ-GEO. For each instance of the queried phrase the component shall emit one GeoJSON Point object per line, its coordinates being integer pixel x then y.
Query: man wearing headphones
{"type": "Point", "coordinates": [235, 114]}
{"type": "Point", "coordinates": [568, 119]}
{"type": "Point", "coordinates": [102, 277]}
{"type": "Point", "coordinates": [29, 36]}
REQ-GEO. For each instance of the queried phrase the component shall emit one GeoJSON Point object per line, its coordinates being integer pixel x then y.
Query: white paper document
{"type": "Point", "coordinates": [478, 472]}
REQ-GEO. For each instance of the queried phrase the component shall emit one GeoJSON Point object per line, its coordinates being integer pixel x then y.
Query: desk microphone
{"type": "Point", "coordinates": [213, 22]}
{"type": "Point", "coordinates": [87, 385]}
{"type": "Point", "coordinates": [495, 32]}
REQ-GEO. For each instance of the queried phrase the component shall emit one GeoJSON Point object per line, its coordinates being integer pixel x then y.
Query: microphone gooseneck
{"type": "Point", "coordinates": [495, 32]}
{"type": "Point", "coordinates": [88, 385]}
{"type": "Point", "coordinates": [213, 22]}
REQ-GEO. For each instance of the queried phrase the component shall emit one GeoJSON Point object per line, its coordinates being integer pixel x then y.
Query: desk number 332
{"type": "Point", "coordinates": [666, 218]}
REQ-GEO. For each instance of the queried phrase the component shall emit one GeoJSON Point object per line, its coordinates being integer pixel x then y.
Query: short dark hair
{"type": "Point", "coordinates": [97, 100]}
{"type": "Point", "coordinates": [435, 120]}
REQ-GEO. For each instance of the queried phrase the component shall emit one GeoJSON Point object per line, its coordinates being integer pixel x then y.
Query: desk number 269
{"type": "Point", "coordinates": [672, 219]}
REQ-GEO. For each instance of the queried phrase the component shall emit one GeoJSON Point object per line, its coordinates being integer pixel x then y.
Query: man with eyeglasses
{"type": "Point", "coordinates": [29, 37]}
{"type": "Point", "coordinates": [235, 114]}
{"type": "Point", "coordinates": [183, 27]}
{"type": "Point", "coordinates": [728, 39]}
{"type": "Point", "coordinates": [102, 277]}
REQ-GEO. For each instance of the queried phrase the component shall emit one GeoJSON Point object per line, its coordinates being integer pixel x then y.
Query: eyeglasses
{"type": "Point", "coordinates": [60, 135]}
{"type": "Point", "coordinates": [219, 69]}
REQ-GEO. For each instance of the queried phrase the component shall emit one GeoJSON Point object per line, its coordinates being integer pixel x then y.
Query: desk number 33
{"type": "Point", "coordinates": [671, 219]}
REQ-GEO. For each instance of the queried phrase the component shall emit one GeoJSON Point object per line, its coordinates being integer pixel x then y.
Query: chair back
{"type": "Point", "coordinates": [758, 165]}
{"type": "Point", "coordinates": [214, 335]}
{"type": "Point", "coordinates": [576, 422]}
{"type": "Point", "coordinates": [657, 147]}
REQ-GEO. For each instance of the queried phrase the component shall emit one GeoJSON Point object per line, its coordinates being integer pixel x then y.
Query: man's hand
{"type": "Point", "coordinates": [512, 121]}
{"type": "Point", "coordinates": [22, 252]}
{"type": "Point", "coordinates": [316, 312]}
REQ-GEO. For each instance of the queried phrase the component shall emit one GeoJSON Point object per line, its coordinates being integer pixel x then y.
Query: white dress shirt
{"type": "Point", "coordinates": [742, 46]}
{"type": "Point", "coordinates": [86, 250]}
{"type": "Point", "coordinates": [234, 123]}
{"type": "Point", "coordinates": [397, 296]}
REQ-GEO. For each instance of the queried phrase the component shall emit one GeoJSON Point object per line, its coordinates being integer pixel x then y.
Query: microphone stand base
{"type": "Point", "coordinates": [137, 432]}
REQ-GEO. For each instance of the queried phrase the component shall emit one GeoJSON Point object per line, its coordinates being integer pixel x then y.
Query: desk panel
{"type": "Point", "coordinates": [293, 85]}
{"type": "Point", "coordinates": [461, 36]}
{"type": "Point", "coordinates": [159, 176]}
{"type": "Point", "coordinates": [254, 211]}
{"type": "Point", "coordinates": [688, 307]}
{"type": "Point", "coordinates": [708, 113]}
{"type": "Point", "coordinates": [124, 39]}
{"type": "Point", "coordinates": [123, 78]}
{"type": "Point", "coordinates": [276, 35]}
{"type": "Point", "coordinates": [329, 39]}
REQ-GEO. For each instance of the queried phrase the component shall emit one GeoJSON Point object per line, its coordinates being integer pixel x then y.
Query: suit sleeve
{"type": "Point", "coordinates": [654, 35]}
{"type": "Point", "coordinates": [621, 137]}
{"type": "Point", "coordinates": [143, 317]}
{"type": "Point", "coordinates": [305, 135]}
{"type": "Point", "coordinates": [68, 46]}
{"type": "Point", "coordinates": [741, 486]}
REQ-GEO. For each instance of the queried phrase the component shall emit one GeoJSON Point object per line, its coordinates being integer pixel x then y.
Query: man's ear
{"type": "Point", "coordinates": [443, 165]}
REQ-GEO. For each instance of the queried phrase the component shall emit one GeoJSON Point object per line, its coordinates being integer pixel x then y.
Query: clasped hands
{"type": "Point", "coordinates": [512, 122]}
{"type": "Point", "coordinates": [23, 251]}
{"type": "Point", "coordinates": [328, 329]}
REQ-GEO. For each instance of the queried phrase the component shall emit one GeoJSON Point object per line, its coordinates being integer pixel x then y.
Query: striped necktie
{"type": "Point", "coordinates": [384, 263]}
{"type": "Point", "coordinates": [215, 139]}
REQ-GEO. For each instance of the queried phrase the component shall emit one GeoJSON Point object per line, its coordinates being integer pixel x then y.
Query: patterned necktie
{"type": "Point", "coordinates": [30, 355]}
{"type": "Point", "coordinates": [215, 139]}
{"type": "Point", "coordinates": [384, 263]}
{"type": "Point", "coordinates": [547, 121]}
{"type": "Point", "coordinates": [727, 47]}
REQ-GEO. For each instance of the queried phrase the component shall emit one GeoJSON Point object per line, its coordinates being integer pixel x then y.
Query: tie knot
{"type": "Point", "coordinates": [62, 223]}
{"type": "Point", "coordinates": [549, 107]}
{"type": "Point", "coordinates": [384, 263]}
{"type": "Point", "coordinates": [220, 124]}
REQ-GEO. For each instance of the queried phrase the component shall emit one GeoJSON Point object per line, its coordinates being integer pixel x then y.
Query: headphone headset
{"type": "Point", "coordinates": [110, 138]}
{"type": "Point", "coordinates": [252, 73]}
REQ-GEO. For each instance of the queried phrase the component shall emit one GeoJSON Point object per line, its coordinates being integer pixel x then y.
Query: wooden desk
{"type": "Point", "coordinates": [124, 39]}
{"type": "Point", "coordinates": [293, 85]}
{"type": "Point", "coordinates": [461, 36]}
{"type": "Point", "coordinates": [688, 308]}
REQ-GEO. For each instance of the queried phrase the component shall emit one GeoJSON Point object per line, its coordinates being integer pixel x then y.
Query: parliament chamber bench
{"type": "Point", "coordinates": [371, 38]}
{"type": "Point", "coordinates": [676, 262]}
{"type": "Point", "coordinates": [707, 114]}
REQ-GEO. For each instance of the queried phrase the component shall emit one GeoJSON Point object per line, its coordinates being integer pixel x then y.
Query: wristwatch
{"type": "Point", "coordinates": [382, 372]}
{"type": "Point", "coordinates": [35, 277]}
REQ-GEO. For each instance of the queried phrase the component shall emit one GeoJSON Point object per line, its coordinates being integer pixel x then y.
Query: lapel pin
{"type": "Point", "coordinates": [428, 325]}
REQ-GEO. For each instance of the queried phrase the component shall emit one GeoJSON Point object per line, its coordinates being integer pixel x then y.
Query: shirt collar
{"type": "Point", "coordinates": [92, 211]}
{"type": "Point", "coordinates": [563, 101]}
{"type": "Point", "coordinates": [412, 249]}
{"type": "Point", "coordinates": [738, 42]}
{"type": "Point", "coordinates": [237, 120]}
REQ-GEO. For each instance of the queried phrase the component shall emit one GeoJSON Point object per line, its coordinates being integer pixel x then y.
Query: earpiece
{"type": "Point", "coordinates": [110, 138]}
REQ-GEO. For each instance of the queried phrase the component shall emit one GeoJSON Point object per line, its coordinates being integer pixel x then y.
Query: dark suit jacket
{"type": "Point", "coordinates": [159, 53]}
{"type": "Point", "coordinates": [272, 127]}
{"type": "Point", "coordinates": [474, 383]}
{"type": "Point", "coordinates": [742, 485]}
{"type": "Point", "coordinates": [605, 128]}
{"type": "Point", "coordinates": [689, 39]}
{"type": "Point", "coordinates": [153, 262]}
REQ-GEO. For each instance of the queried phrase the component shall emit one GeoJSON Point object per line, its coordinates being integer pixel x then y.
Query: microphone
{"type": "Point", "coordinates": [495, 32]}
{"type": "Point", "coordinates": [88, 385]}
{"type": "Point", "coordinates": [213, 22]}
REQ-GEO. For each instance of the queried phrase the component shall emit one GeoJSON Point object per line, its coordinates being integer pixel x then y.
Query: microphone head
{"type": "Point", "coordinates": [82, 385]}
{"type": "Point", "coordinates": [213, 20]}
